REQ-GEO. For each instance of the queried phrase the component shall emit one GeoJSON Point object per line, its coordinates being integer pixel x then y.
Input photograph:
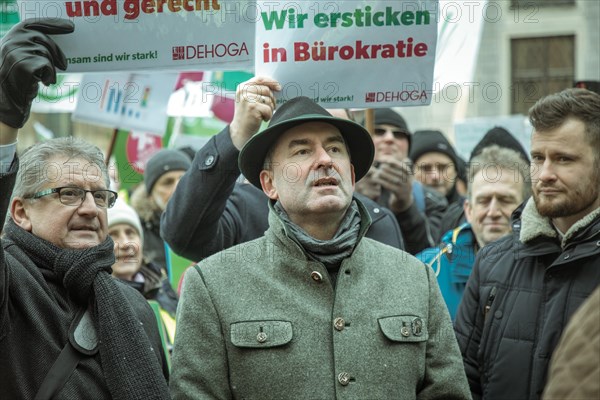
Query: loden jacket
{"type": "Point", "coordinates": [262, 320]}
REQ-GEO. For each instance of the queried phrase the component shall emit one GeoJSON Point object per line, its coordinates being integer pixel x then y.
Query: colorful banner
{"type": "Point", "coordinates": [60, 97]}
{"type": "Point", "coordinates": [126, 35]}
{"type": "Point", "coordinates": [131, 152]}
{"type": "Point", "coordinates": [127, 101]}
{"type": "Point", "coordinates": [349, 53]}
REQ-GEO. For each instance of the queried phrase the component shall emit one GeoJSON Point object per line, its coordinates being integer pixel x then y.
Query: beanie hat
{"type": "Point", "coordinates": [388, 116]}
{"type": "Point", "coordinates": [163, 161]}
{"type": "Point", "coordinates": [502, 138]}
{"type": "Point", "coordinates": [122, 213]}
{"type": "Point", "coordinates": [431, 141]}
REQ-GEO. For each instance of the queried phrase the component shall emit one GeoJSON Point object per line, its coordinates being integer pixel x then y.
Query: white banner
{"type": "Point", "coordinates": [126, 101]}
{"type": "Point", "coordinates": [126, 35]}
{"type": "Point", "coordinates": [349, 53]}
{"type": "Point", "coordinates": [459, 35]}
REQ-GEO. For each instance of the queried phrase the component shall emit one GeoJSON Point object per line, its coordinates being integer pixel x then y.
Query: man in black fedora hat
{"type": "Point", "coordinates": [313, 297]}
{"type": "Point", "coordinates": [212, 209]}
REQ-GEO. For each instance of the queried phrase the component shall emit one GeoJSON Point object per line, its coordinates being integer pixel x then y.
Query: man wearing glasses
{"type": "Point", "coordinates": [68, 329]}
{"type": "Point", "coordinates": [390, 182]}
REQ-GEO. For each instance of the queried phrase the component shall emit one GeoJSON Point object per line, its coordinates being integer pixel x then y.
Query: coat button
{"type": "Point", "coordinates": [405, 331]}
{"type": "Point", "coordinates": [261, 337]}
{"type": "Point", "coordinates": [339, 324]}
{"type": "Point", "coordinates": [316, 276]}
{"type": "Point", "coordinates": [344, 378]}
{"type": "Point", "coordinates": [376, 210]}
{"type": "Point", "coordinates": [209, 161]}
{"type": "Point", "coordinates": [567, 256]}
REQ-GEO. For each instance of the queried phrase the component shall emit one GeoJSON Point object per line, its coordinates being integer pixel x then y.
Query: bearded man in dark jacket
{"type": "Point", "coordinates": [525, 287]}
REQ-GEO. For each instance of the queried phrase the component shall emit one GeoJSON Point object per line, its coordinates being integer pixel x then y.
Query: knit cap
{"type": "Point", "coordinates": [122, 213]}
{"type": "Point", "coordinates": [388, 116]}
{"type": "Point", "coordinates": [431, 141]}
{"type": "Point", "coordinates": [163, 161]}
{"type": "Point", "coordinates": [502, 138]}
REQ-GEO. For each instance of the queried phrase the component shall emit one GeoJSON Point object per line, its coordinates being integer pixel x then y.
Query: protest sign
{"type": "Point", "coordinates": [349, 53]}
{"type": "Point", "coordinates": [128, 101]}
{"type": "Point", "coordinates": [125, 35]}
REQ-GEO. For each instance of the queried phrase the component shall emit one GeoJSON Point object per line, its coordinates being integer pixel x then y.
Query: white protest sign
{"type": "Point", "coordinates": [122, 35]}
{"type": "Point", "coordinates": [349, 53]}
{"type": "Point", "coordinates": [469, 132]}
{"type": "Point", "coordinates": [128, 101]}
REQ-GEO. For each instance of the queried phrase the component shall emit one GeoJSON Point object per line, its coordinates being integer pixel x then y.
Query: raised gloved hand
{"type": "Point", "coordinates": [28, 56]}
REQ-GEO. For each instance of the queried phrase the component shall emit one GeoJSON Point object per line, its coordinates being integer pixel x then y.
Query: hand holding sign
{"type": "Point", "coordinates": [29, 56]}
{"type": "Point", "coordinates": [254, 104]}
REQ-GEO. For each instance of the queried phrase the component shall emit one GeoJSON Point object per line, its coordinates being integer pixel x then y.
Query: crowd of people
{"type": "Point", "coordinates": [346, 263]}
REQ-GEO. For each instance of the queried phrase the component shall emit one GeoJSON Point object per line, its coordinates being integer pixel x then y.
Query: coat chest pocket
{"type": "Point", "coordinates": [404, 328]}
{"type": "Point", "coordinates": [261, 334]}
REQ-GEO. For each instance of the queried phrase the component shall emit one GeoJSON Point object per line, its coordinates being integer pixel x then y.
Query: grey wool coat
{"type": "Point", "coordinates": [262, 321]}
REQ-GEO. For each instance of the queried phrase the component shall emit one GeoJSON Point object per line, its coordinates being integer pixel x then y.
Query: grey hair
{"type": "Point", "coordinates": [35, 162]}
{"type": "Point", "coordinates": [500, 157]}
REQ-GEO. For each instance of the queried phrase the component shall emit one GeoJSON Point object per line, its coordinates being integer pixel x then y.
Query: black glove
{"type": "Point", "coordinates": [28, 56]}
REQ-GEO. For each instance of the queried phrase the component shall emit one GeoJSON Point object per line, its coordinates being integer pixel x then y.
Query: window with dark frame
{"type": "Point", "coordinates": [540, 66]}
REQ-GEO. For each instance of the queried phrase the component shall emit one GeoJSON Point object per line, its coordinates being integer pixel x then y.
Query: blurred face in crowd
{"type": "Point", "coordinates": [437, 171]}
{"type": "Point", "coordinates": [495, 194]}
{"type": "Point", "coordinates": [165, 186]}
{"type": "Point", "coordinates": [390, 140]}
{"type": "Point", "coordinates": [128, 251]}
{"type": "Point", "coordinates": [81, 225]}
{"type": "Point", "coordinates": [310, 172]}
{"type": "Point", "coordinates": [564, 173]}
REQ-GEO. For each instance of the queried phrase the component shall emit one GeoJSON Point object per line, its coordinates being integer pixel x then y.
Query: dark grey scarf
{"type": "Point", "coordinates": [330, 252]}
{"type": "Point", "coordinates": [129, 362]}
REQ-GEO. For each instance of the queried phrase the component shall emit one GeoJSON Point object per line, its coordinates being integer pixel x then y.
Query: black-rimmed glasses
{"type": "Point", "coordinates": [74, 196]}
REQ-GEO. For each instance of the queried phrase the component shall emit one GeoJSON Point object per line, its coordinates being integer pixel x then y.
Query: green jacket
{"type": "Point", "coordinates": [262, 321]}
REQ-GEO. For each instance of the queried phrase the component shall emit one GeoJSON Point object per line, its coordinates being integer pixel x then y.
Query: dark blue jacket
{"type": "Point", "coordinates": [523, 290]}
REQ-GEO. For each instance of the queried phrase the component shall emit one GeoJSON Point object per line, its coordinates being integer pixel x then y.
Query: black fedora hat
{"type": "Point", "coordinates": [296, 111]}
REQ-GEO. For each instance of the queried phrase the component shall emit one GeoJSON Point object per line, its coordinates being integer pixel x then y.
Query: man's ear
{"type": "Point", "coordinates": [20, 214]}
{"type": "Point", "coordinates": [266, 181]}
{"type": "Point", "coordinates": [353, 176]}
{"type": "Point", "coordinates": [468, 209]}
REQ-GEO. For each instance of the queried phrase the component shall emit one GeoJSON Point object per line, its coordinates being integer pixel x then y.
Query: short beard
{"type": "Point", "coordinates": [576, 204]}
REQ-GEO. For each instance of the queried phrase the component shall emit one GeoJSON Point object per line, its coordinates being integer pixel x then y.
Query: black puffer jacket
{"type": "Point", "coordinates": [210, 212]}
{"type": "Point", "coordinates": [521, 294]}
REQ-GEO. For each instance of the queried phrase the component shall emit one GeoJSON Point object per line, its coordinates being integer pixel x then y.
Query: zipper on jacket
{"type": "Point", "coordinates": [490, 300]}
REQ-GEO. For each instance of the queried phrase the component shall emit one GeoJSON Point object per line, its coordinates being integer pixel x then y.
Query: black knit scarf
{"type": "Point", "coordinates": [129, 362]}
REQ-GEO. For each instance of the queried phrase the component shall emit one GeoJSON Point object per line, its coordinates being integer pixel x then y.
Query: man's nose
{"type": "Point", "coordinates": [88, 206]}
{"type": "Point", "coordinates": [323, 158]}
